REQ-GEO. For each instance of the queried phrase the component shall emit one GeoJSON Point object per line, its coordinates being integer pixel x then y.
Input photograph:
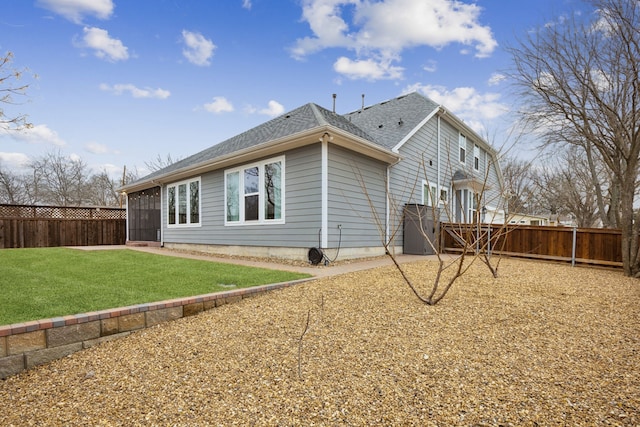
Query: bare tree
{"type": "Point", "coordinates": [60, 180]}
{"type": "Point", "coordinates": [160, 162]}
{"type": "Point", "coordinates": [564, 186]}
{"type": "Point", "coordinates": [580, 83]}
{"type": "Point", "coordinates": [102, 190]}
{"type": "Point", "coordinates": [11, 187]}
{"type": "Point", "coordinates": [9, 89]}
{"type": "Point", "coordinates": [519, 185]}
{"type": "Point", "coordinates": [474, 239]}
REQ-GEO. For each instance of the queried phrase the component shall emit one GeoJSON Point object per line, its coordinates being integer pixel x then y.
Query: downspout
{"type": "Point", "coordinates": [387, 230]}
{"type": "Point", "coordinates": [161, 215]}
{"type": "Point", "coordinates": [438, 168]}
{"type": "Point", "coordinates": [324, 234]}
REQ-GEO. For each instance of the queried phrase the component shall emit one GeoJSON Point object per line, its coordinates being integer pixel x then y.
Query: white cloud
{"type": "Point", "coordinates": [75, 10]}
{"type": "Point", "coordinates": [119, 89]}
{"type": "Point", "coordinates": [431, 66]}
{"type": "Point", "coordinates": [246, 4]}
{"type": "Point", "coordinates": [97, 148]}
{"type": "Point", "coordinates": [326, 24]}
{"type": "Point", "coordinates": [38, 134]}
{"type": "Point", "coordinates": [496, 79]}
{"type": "Point", "coordinates": [383, 29]}
{"type": "Point", "coordinates": [104, 46]}
{"type": "Point", "coordinates": [368, 69]}
{"type": "Point", "coordinates": [115, 172]}
{"type": "Point", "coordinates": [274, 109]}
{"type": "Point", "coordinates": [220, 104]}
{"type": "Point", "coordinates": [475, 108]}
{"type": "Point", "coordinates": [199, 50]}
{"type": "Point", "coordinates": [14, 160]}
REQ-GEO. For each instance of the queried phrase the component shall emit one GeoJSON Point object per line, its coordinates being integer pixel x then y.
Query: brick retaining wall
{"type": "Point", "coordinates": [25, 345]}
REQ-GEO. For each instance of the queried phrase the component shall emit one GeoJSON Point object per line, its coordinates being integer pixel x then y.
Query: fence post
{"type": "Point", "coordinates": [573, 248]}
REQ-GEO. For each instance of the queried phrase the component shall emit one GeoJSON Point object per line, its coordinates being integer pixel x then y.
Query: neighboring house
{"type": "Point", "coordinates": [525, 219]}
{"type": "Point", "coordinates": [313, 178]}
{"type": "Point", "coordinates": [564, 221]}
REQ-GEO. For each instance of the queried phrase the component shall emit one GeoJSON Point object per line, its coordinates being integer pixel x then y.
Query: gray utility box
{"type": "Point", "coordinates": [420, 228]}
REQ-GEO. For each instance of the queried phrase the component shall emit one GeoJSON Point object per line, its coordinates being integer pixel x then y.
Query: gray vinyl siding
{"type": "Point", "coordinates": [301, 209]}
{"type": "Point", "coordinates": [420, 162]}
{"type": "Point", "coordinates": [348, 203]}
{"type": "Point", "coordinates": [487, 171]}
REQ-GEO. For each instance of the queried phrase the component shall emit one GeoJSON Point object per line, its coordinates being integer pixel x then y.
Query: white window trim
{"type": "Point", "coordinates": [433, 189]}
{"type": "Point", "coordinates": [428, 200]}
{"type": "Point", "coordinates": [476, 157]}
{"type": "Point", "coordinates": [175, 185]}
{"type": "Point", "coordinates": [261, 220]}
{"type": "Point", "coordinates": [462, 144]}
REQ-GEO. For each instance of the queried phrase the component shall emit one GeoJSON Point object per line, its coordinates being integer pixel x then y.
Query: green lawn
{"type": "Point", "coordinates": [49, 282]}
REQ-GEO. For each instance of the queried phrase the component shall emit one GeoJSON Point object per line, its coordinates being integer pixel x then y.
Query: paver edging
{"type": "Point", "coordinates": [17, 360]}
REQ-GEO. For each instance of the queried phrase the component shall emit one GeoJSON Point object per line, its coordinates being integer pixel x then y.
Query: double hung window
{"type": "Point", "coordinates": [255, 193]}
{"type": "Point", "coordinates": [183, 203]}
{"type": "Point", "coordinates": [476, 157]}
{"type": "Point", "coordinates": [462, 143]}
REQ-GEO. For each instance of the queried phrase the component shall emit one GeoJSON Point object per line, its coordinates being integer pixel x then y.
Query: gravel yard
{"type": "Point", "coordinates": [544, 344]}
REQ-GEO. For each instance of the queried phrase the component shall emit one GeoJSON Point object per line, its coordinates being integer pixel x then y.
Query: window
{"type": "Point", "coordinates": [444, 196]}
{"type": "Point", "coordinates": [183, 203]}
{"type": "Point", "coordinates": [476, 157]}
{"type": "Point", "coordinates": [473, 204]}
{"type": "Point", "coordinates": [254, 193]}
{"type": "Point", "coordinates": [462, 143]}
{"type": "Point", "coordinates": [467, 202]}
{"type": "Point", "coordinates": [431, 196]}
{"type": "Point", "coordinates": [428, 194]}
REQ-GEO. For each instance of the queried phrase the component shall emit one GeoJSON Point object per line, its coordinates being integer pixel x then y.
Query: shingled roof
{"type": "Point", "coordinates": [391, 121]}
{"type": "Point", "coordinates": [384, 124]}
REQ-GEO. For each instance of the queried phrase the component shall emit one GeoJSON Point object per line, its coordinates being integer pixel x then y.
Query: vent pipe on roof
{"type": "Point", "coordinates": [361, 109]}
{"type": "Point", "coordinates": [334, 102]}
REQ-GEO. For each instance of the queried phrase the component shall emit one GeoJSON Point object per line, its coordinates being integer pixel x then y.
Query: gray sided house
{"type": "Point", "coordinates": [312, 178]}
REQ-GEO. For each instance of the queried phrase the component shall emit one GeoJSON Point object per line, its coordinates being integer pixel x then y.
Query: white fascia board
{"type": "Point", "coordinates": [476, 139]}
{"type": "Point", "coordinates": [362, 146]}
{"type": "Point", "coordinates": [471, 134]}
{"type": "Point", "coordinates": [413, 131]}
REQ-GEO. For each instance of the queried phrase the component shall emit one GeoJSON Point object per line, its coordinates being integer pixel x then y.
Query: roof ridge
{"type": "Point", "coordinates": [367, 107]}
{"type": "Point", "coordinates": [318, 115]}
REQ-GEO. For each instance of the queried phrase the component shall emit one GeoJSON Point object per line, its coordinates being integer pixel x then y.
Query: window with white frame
{"type": "Point", "coordinates": [431, 196]}
{"type": "Point", "coordinates": [476, 157]}
{"type": "Point", "coordinates": [428, 194]}
{"type": "Point", "coordinates": [255, 193]}
{"type": "Point", "coordinates": [183, 203]}
{"type": "Point", "coordinates": [462, 143]}
{"type": "Point", "coordinates": [444, 196]}
{"type": "Point", "coordinates": [467, 202]}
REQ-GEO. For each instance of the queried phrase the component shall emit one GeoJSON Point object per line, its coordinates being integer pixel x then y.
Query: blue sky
{"type": "Point", "coordinates": [121, 82]}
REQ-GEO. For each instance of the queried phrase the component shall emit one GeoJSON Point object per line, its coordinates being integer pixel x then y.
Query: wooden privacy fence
{"type": "Point", "coordinates": [23, 226]}
{"type": "Point", "coordinates": [576, 245]}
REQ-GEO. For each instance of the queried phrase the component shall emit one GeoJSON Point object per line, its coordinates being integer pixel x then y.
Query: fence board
{"type": "Point", "coordinates": [35, 233]}
{"type": "Point", "coordinates": [24, 226]}
{"type": "Point", "coordinates": [593, 245]}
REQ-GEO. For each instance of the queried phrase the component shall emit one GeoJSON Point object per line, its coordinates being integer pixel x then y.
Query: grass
{"type": "Point", "coordinates": [49, 282]}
